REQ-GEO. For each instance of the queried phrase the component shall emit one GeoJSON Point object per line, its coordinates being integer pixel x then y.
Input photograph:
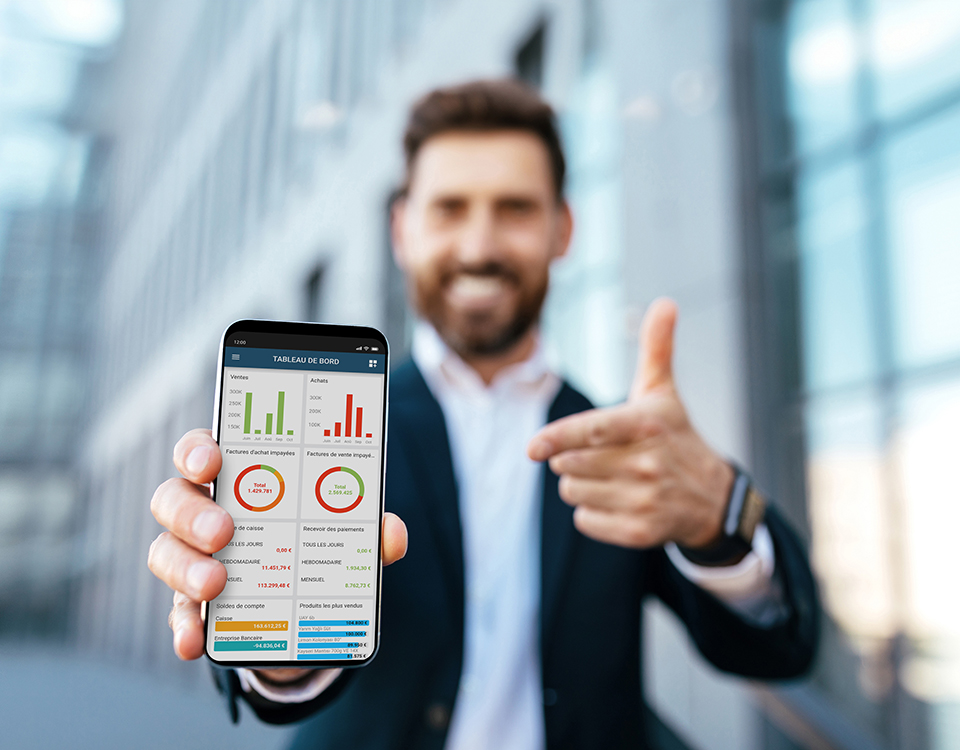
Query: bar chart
{"type": "Point", "coordinates": [335, 629]}
{"type": "Point", "coordinates": [261, 406]}
{"type": "Point", "coordinates": [250, 629]}
{"type": "Point", "coordinates": [331, 639]}
{"type": "Point", "coordinates": [351, 429]}
{"type": "Point", "coordinates": [344, 409]}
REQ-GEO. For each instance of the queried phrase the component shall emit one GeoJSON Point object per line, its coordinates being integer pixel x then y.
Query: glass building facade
{"type": "Point", "coordinates": [51, 157]}
{"type": "Point", "coordinates": [853, 175]}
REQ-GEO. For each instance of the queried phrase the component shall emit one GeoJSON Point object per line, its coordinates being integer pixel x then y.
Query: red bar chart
{"type": "Point", "coordinates": [351, 428]}
{"type": "Point", "coordinates": [338, 404]}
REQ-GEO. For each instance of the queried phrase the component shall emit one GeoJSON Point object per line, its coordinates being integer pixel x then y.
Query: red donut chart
{"type": "Point", "coordinates": [334, 470]}
{"type": "Point", "coordinates": [258, 467]}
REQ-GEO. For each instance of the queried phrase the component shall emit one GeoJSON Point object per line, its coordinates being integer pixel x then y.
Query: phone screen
{"type": "Point", "coordinates": [300, 419]}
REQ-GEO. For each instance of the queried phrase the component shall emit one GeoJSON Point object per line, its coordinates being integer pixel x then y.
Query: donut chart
{"type": "Point", "coordinates": [338, 489]}
{"type": "Point", "coordinates": [259, 488]}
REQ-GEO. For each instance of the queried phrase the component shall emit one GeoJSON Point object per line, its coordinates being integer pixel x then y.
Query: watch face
{"type": "Point", "coordinates": [754, 506]}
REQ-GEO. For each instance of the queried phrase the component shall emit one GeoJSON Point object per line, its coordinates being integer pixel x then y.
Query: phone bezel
{"type": "Point", "coordinates": [325, 330]}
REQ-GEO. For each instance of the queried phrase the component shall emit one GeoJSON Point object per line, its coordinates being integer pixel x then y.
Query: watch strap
{"type": "Point", "coordinates": [745, 510]}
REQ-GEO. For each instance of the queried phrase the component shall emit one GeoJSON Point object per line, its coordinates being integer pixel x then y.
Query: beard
{"type": "Point", "coordinates": [481, 332]}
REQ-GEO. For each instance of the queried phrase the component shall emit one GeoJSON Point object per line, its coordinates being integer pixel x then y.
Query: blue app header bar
{"type": "Point", "coordinates": [291, 359]}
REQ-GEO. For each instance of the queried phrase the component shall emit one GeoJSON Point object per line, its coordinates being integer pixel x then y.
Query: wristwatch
{"type": "Point", "coordinates": [745, 509]}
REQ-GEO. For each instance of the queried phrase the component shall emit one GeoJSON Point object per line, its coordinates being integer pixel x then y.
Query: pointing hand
{"type": "Point", "coordinates": [638, 474]}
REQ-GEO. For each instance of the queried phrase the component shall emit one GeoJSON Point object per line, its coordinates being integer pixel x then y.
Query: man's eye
{"type": "Point", "coordinates": [518, 208]}
{"type": "Point", "coordinates": [449, 209]}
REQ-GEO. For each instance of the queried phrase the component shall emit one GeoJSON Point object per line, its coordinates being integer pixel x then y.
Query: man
{"type": "Point", "coordinates": [515, 619]}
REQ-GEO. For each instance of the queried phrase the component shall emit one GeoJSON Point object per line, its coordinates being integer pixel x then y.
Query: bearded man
{"type": "Point", "coordinates": [515, 619]}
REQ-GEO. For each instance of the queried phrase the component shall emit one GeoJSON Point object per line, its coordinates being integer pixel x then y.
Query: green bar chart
{"type": "Point", "coordinates": [256, 408]}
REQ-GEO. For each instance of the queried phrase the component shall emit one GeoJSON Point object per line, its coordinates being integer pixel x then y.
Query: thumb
{"type": "Point", "coordinates": [655, 363]}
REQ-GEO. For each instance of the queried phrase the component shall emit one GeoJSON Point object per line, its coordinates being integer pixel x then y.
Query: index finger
{"type": "Point", "coordinates": [616, 425]}
{"type": "Point", "coordinates": [197, 456]}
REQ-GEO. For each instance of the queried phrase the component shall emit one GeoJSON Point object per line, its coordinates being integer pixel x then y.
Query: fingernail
{"type": "Point", "coordinates": [207, 525]}
{"type": "Point", "coordinates": [178, 637]}
{"type": "Point", "coordinates": [539, 447]}
{"type": "Point", "coordinates": [198, 575]}
{"type": "Point", "coordinates": [197, 459]}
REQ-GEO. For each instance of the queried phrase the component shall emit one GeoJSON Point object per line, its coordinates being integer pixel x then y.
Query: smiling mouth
{"type": "Point", "coordinates": [474, 290]}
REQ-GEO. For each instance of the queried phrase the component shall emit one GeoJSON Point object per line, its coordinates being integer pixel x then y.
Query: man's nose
{"type": "Point", "coordinates": [478, 240]}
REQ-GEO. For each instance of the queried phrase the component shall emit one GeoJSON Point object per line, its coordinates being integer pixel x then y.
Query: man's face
{"type": "Point", "coordinates": [476, 235]}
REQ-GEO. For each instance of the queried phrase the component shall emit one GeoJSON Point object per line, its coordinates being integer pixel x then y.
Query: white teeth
{"type": "Point", "coordinates": [471, 287]}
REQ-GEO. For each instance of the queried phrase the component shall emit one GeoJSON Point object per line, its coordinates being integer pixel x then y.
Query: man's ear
{"type": "Point", "coordinates": [564, 230]}
{"type": "Point", "coordinates": [398, 218]}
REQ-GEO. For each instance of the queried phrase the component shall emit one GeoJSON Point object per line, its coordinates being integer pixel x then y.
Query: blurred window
{"type": "Point", "coordinates": [398, 317]}
{"type": "Point", "coordinates": [912, 50]}
{"type": "Point", "coordinates": [587, 299]}
{"type": "Point", "coordinates": [833, 235]}
{"type": "Point", "coordinates": [922, 166]}
{"type": "Point", "coordinates": [822, 64]}
{"type": "Point", "coordinates": [857, 103]}
{"type": "Point", "coordinates": [49, 152]}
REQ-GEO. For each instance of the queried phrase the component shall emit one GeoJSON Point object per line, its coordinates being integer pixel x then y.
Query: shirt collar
{"type": "Point", "coordinates": [443, 368]}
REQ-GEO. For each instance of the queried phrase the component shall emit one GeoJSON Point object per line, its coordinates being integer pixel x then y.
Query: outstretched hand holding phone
{"type": "Point", "coordinates": [196, 528]}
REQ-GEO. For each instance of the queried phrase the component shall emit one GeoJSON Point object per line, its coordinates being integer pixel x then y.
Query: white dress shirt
{"type": "Point", "coordinates": [500, 699]}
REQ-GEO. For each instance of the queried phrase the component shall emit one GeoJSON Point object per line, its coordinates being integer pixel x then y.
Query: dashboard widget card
{"type": "Point", "coordinates": [344, 409]}
{"type": "Point", "coordinates": [341, 485]}
{"type": "Point", "coordinates": [259, 482]}
{"type": "Point", "coordinates": [253, 630]}
{"type": "Point", "coordinates": [260, 558]}
{"type": "Point", "coordinates": [337, 559]}
{"type": "Point", "coordinates": [262, 406]}
{"type": "Point", "coordinates": [335, 629]}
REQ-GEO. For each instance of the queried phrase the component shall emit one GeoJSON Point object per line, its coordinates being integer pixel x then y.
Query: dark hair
{"type": "Point", "coordinates": [483, 106]}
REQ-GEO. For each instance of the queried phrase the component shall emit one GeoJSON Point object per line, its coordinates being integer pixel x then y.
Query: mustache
{"type": "Point", "coordinates": [487, 269]}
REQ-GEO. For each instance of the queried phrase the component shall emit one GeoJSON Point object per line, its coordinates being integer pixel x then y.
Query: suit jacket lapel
{"type": "Point", "coordinates": [557, 529]}
{"type": "Point", "coordinates": [431, 460]}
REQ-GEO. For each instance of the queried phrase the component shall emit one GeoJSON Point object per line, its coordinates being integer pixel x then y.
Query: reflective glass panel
{"type": "Point", "coordinates": [914, 51]}
{"type": "Point", "coordinates": [582, 319]}
{"type": "Point", "coordinates": [926, 452]}
{"type": "Point", "coordinates": [851, 523]}
{"type": "Point", "coordinates": [838, 346]}
{"type": "Point", "coordinates": [822, 64]}
{"type": "Point", "coordinates": [927, 449]}
{"type": "Point", "coordinates": [923, 209]}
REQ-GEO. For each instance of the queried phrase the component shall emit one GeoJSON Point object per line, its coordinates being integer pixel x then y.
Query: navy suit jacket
{"type": "Point", "coordinates": [590, 614]}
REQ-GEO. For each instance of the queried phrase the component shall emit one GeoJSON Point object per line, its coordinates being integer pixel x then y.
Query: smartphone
{"type": "Point", "coordinates": [301, 417]}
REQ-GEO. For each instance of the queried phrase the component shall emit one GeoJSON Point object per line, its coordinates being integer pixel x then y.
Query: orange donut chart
{"type": "Point", "coordinates": [257, 467]}
{"type": "Point", "coordinates": [334, 470]}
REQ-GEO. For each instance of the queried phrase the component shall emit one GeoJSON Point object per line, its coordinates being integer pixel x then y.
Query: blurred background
{"type": "Point", "coordinates": [788, 171]}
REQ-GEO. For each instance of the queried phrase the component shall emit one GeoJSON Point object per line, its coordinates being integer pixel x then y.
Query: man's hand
{"type": "Point", "coordinates": [198, 527]}
{"type": "Point", "coordinates": [638, 474]}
